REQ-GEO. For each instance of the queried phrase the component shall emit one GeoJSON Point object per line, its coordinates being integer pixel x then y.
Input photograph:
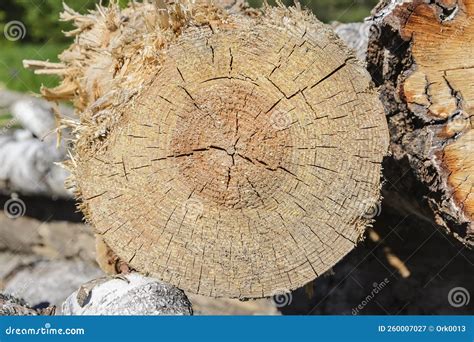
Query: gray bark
{"type": "Point", "coordinates": [49, 282]}
{"type": "Point", "coordinates": [11, 306]}
{"type": "Point", "coordinates": [130, 294]}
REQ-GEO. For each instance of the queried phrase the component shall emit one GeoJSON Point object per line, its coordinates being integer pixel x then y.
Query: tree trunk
{"type": "Point", "coordinates": [420, 54]}
{"type": "Point", "coordinates": [229, 154]}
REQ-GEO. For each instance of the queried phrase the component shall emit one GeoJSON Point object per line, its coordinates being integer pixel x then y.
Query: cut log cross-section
{"type": "Point", "coordinates": [422, 56]}
{"type": "Point", "coordinates": [231, 155]}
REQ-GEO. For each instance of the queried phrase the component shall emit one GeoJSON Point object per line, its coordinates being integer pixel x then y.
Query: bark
{"type": "Point", "coordinates": [356, 36]}
{"type": "Point", "coordinates": [11, 306]}
{"type": "Point", "coordinates": [230, 154]}
{"type": "Point", "coordinates": [28, 155]}
{"type": "Point", "coordinates": [420, 56]}
{"type": "Point", "coordinates": [49, 283]}
{"type": "Point", "coordinates": [131, 294]}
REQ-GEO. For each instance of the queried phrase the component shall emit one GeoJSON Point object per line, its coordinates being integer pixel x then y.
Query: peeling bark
{"type": "Point", "coordinates": [420, 54]}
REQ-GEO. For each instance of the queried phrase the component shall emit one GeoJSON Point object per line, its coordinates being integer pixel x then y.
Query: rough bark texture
{"type": "Point", "coordinates": [231, 155]}
{"type": "Point", "coordinates": [420, 53]}
{"type": "Point", "coordinates": [131, 294]}
{"type": "Point", "coordinates": [11, 306]}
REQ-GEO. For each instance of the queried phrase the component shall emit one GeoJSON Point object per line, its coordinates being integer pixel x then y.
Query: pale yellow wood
{"type": "Point", "coordinates": [235, 156]}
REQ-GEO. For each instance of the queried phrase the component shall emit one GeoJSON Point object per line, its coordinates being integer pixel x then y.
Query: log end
{"type": "Point", "coordinates": [233, 155]}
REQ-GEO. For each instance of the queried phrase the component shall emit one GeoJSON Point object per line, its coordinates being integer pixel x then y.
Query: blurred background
{"type": "Point", "coordinates": [404, 266]}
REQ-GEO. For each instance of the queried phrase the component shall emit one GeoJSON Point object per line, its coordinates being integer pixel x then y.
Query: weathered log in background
{"type": "Point", "coordinates": [420, 54]}
{"type": "Point", "coordinates": [45, 262]}
{"type": "Point", "coordinates": [28, 155]}
{"type": "Point", "coordinates": [37, 257]}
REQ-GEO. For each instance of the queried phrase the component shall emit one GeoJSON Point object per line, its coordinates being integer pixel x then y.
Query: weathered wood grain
{"type": "Point", "coordinates": [231, 155]}
{"type": "Point", "coordinates": [421, 55]}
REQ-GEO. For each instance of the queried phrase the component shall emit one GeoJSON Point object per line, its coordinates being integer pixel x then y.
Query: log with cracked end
{"type": "Point", "coordinates": [130, 294]}
{"type": "Point", "coordinates": [421, 55]}
{"type": "Point", "coordinates": [229, 154]}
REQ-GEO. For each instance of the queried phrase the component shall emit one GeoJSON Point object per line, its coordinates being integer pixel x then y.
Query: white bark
{"type": "Point", "coordinates": [130, 294]}
{"type": "Point", "coordinates": [28, 156]}
{"type": "Point", "coordinates": [49, 282]}
{"type": "Point", "coordinates": [356, 36]}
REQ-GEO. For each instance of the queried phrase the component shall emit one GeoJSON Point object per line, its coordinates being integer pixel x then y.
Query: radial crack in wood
{"type": "Point", "coordinates": [232, 155]}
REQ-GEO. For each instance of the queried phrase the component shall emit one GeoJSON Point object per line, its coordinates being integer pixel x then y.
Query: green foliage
{"type": "Point", "coordinates": [332, 10]}
{"type": "Point", "coordinates": [41, 16]}
{"type": "Point", "coordinates": [12, 74]}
